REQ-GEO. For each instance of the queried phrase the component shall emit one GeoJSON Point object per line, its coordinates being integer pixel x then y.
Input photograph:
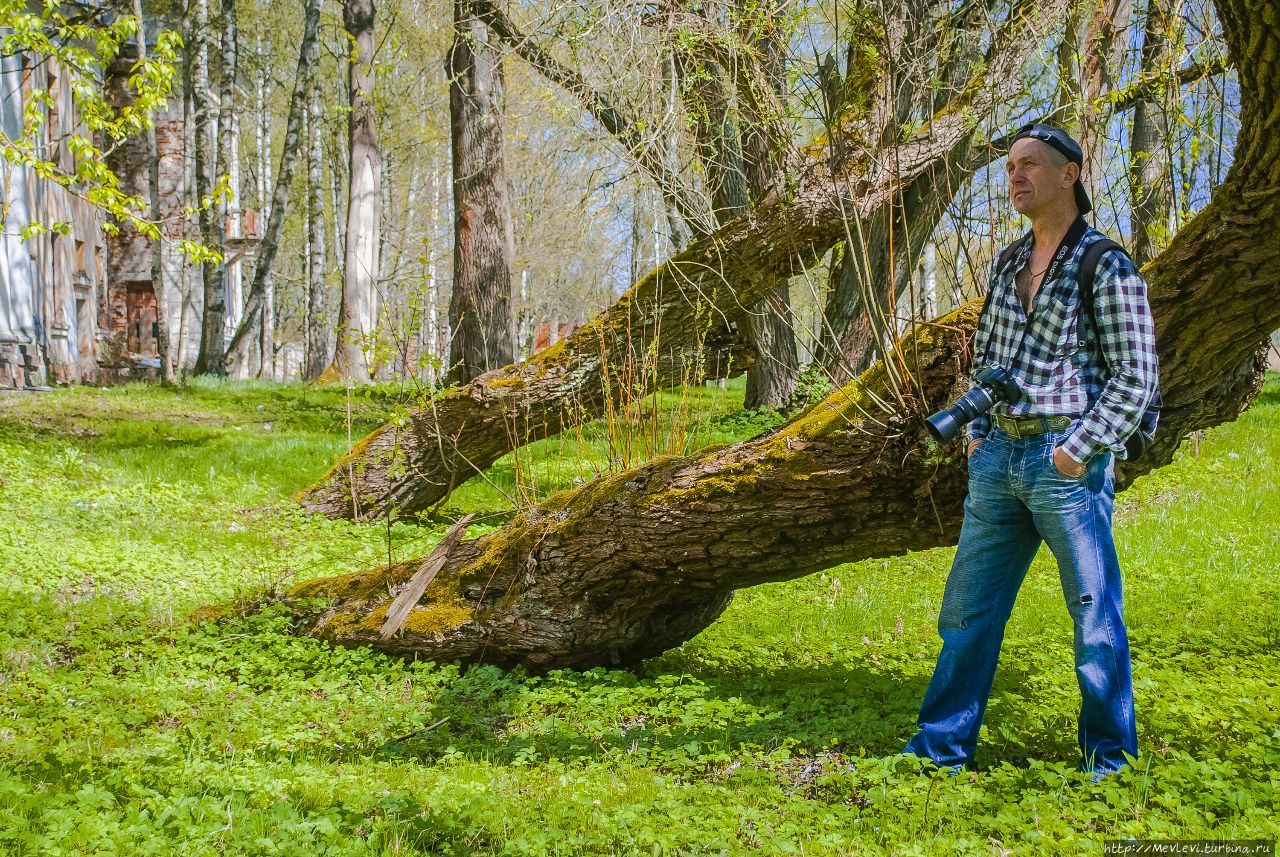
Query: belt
{"type": "Point", "coordinates": [1027, 426]}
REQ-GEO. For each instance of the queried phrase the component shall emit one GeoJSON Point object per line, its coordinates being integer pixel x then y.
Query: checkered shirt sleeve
{"type": "Point", "coordinates": [1127, 337]}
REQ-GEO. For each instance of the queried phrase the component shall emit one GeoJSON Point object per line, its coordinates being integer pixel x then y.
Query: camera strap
{"type": "Point", "coordinates": [1060, 256]}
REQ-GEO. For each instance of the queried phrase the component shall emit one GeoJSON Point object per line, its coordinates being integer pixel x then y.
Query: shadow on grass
{"type": "Point", "coordinates": [842, 707]}
{"type": "Point", "coordinates": [852, 708]}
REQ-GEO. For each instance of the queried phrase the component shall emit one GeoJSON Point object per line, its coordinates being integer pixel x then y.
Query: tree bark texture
{"type": "Point", "coordinates": [483, 232]}
{"type": "Point", "coordinates": [317, 332]}
{"type": "Point", "coordinates": [668, 328]}
{"type": "Point", "coordinates": [358, 318]}
{"type": "Point", "coordinates": [212, 335]}
{"type": "Point", "coordinates": [634, 563]}
{"type": "Point", "coordinates": [1151, 171]}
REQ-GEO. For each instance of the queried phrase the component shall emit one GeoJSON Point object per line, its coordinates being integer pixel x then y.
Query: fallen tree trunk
{"type": "Point", "coordinates": [671, 326]}
{"type": "Point", "coordinates": [635, 563]}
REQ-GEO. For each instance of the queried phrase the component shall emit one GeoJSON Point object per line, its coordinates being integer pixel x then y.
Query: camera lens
{"type": "Point", "coordinates": [944, 425]}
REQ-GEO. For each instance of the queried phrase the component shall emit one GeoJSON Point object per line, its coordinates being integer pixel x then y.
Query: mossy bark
{"type": "Point", "coordinates": [632, 564]}
{"type": "Point", "coordinates": [669, 328]}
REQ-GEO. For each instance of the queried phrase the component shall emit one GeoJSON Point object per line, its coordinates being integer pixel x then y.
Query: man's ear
{"type": "Point", "coordinates": [1073, 172]}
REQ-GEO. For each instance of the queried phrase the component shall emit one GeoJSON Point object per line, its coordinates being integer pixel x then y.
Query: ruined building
{"type": "Point", "coordinates": [52, 286]}
{"type": "Point", "coordinates": [81, 307]}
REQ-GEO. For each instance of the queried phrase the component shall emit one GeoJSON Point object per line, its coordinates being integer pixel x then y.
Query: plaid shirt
{"type": "Point", "coordinates": [1110, 386]}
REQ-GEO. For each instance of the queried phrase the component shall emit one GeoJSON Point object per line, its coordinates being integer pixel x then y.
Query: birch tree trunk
{"type": "Point", "coordinates": [359, 312]}
{"type": "Point", "coordinates": [317, 333]}
{"type": "Point", "coordinates": [256, 322]}
{"type": "Point", "coordinates": [226, 156]}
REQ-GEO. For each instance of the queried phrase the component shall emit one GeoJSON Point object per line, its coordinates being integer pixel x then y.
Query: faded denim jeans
{"type": "Point", "coordinates": [1017, 497]}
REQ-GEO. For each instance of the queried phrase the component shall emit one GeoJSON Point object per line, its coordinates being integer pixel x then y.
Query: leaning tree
{"type": "Point", "coordinates": [634, 563]}
{"type": "Point", "coordinates": [411, 465]}
{"type": "Point", "coordinates": [676, 325]}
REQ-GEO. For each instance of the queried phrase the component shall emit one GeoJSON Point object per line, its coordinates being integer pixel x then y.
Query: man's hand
{"type": "Point", "coordinates": [1067, 465]}
{"type": "Point", "coordinates": [973, 444]}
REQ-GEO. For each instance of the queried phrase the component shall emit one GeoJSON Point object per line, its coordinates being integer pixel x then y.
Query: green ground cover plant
{"type": "Point", "coordinates": [127, 728]}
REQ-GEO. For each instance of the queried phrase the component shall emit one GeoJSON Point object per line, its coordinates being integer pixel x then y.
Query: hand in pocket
{"type": "Point", "coordinates": [1066, 465]}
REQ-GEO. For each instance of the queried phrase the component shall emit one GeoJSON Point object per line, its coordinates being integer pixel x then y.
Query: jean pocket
{"type": "Point", "coordinates": [1053, 466]}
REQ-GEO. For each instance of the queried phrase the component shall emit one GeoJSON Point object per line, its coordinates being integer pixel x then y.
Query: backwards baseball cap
{"type": "Point", "coordinates": [1061, 141]}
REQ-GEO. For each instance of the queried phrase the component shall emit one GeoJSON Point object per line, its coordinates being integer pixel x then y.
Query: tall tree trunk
{"type": "Point", "coordinates": [772, 378]}
{"type": "Point", "coordinates": [260, 128]}
{"type": "Point", "coordinates": [879, 256]}
{"type": "Point", "coordinates": [432, 340]}
{"type": "Point", "coordinates": [683, 302]}
{"type": "Point", "coordinates": [317, 332]}
{"type": "Point", "coordinates": [678, 231]}
{"type": "Point", "coordinates": [770, 332]}
{"type": "Point", "coordinates": [227, 156]}
{"type": "Point", "coordinates": [484, 237]}
{"type": "Point", "coordinates": [267, 332]}
{"type": "Point", "coordinates": [632, 564]}
{"type": "Point", "coordinates": [212, 334]}
{"type": "Point", "coordinates": [188, 231]}
{"type": "Point", "coordinates": [158, 284]}
{"type": "Point", "coordinates": [1104, 49]}
{"type": "Point", "coordinates": [1150, 170]}
{"type": "Point", "coordinates": [765, 325]}
{"type": "Point", "coordinates": [253, 324]}
{"type": "Point", "coordinates": [359, 313]}
{"type": "Point", "coordinates": [337, 169]}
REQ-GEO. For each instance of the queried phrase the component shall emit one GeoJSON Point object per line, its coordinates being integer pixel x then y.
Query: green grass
{"type": "Point", "coordinates": [126, 729]}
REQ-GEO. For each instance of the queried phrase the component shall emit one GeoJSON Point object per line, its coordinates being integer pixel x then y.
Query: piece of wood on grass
{"type": "Point", "coordinates": [398, 612]}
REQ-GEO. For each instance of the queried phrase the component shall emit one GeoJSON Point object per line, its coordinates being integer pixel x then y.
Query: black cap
{"type": "Point", "coordinates": [1062, 141]}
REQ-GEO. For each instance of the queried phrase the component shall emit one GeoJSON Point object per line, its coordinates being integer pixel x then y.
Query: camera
{"type": "Point", "coordinates": [995, 384]}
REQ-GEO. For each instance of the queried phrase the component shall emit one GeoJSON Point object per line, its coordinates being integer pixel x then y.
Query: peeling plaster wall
{"type": "Point", "coordinates": [50, 285]}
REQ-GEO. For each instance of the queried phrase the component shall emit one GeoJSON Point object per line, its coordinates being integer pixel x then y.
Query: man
{"type": "Point", "coordinates": [1042, 468]}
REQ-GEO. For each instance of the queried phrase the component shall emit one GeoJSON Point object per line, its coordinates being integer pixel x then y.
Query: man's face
{"type": "Point", "coordinates": [1037, 184]}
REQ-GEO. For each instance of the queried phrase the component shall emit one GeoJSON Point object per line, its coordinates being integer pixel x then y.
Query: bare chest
{"type": "Point", "coordinates": [1028, 281]}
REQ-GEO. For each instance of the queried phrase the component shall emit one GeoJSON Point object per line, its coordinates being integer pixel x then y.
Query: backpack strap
{"type": "Point", "coordinates": [1088, 272]}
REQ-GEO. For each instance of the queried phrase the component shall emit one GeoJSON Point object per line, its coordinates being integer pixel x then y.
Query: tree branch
{"type": "Point", "coordinates": [621, 127]}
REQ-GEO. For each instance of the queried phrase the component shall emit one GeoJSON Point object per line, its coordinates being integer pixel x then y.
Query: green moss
{"type": "Point", "coordinates": [512, 383]}
{"type": "Point", "coordinates": [360, 586]}
{"type": "Point", "coordinates": [346, 623]}
{"type": "Point", "coordinates": [425, 621]}
{"type": "Point", "coordinates": [352, 457]}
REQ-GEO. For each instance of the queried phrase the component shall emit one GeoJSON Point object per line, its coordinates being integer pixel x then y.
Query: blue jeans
{"type": "Point", "coordinates": [1017, 497]}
